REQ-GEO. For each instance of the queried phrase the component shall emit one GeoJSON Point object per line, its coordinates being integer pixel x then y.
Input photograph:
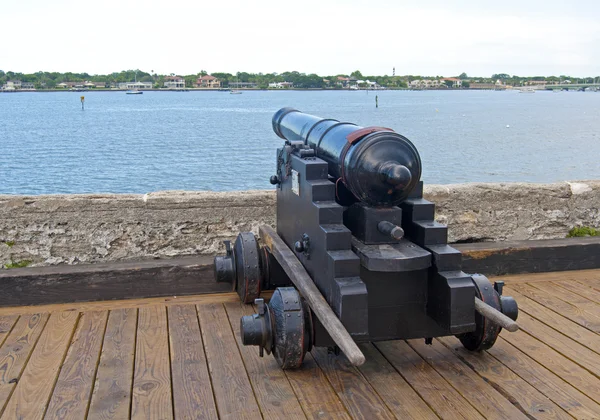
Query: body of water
{"type": "Point", "coordinates": [216, 141]}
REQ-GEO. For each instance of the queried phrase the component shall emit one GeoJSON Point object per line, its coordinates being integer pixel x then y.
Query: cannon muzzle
{"type": "Point", "coordinates": [377, 165]}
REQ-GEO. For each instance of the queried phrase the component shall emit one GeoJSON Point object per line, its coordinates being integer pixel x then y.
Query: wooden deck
{"type": "Point", "coordinates": [182, 358]}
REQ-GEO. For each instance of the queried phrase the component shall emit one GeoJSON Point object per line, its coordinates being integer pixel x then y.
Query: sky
{"type": "Point", "coordinates": [327, 37]}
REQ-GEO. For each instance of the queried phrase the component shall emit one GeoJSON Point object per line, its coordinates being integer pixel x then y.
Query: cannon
{"type": "Point", "coordinates": [357, 255]}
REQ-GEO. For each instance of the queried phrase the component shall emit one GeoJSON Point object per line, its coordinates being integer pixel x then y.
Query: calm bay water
{"type": "Point", "coordinates": [217, 141]}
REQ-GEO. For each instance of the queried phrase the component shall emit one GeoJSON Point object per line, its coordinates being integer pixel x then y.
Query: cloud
{"type": "Point", "coordinates": [325, 37]}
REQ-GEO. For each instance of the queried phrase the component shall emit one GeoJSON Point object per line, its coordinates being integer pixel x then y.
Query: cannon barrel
{"type": "Point", "coordinates": [377, 165]}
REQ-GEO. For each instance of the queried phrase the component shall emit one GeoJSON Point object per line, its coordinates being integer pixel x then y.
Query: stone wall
{"type": "Point", "coordinates": [56, 229]}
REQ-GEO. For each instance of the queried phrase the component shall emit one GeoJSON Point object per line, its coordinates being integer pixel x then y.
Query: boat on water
{"type": "Point", "coordinates": [134, 91]}
{"type": "Point", "coordinates": [235, 92]}
{"type": "Point", "coordinates": [527, 90]}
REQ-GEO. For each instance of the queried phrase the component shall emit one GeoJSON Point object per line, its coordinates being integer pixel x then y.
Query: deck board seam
{"type": "Point", "coordinates": [406, 380]}
{"type": "Point", "coordinates": [533, 298]}
{"type": "Point", "coordinates": [581, 308]}
{"type": "Point", "coordinates": [566, 356]}
{"type": "Point", "coordinates": [557, 403]}
{"type": "Point", "coordinates": [212, 388]}
{"type": "Point", "coordinates": [24, 365]}
{"type": "Point", "coordinates": [493, 384]}
{"type": "Point", "coordinates": [559, 285]}
{"type": "Point", "coordinates": [62, 362]}
{"type": "Point", "coordinates": [11, 329]}
{"type": "Point", "coordinates": [596, 399]}
{"type": "Point", "coordinates": [539, 319]}
{"type": "Point", "coordinates": [137, 321]}
{"type": "Point", "coordinates": [89, 402]}
{"type": "Point", "coordinates": [243, 361]}
{"type": "Point", "coordinates": [384, 399]}
{"type": "Point", "coordinates": [465, 397]}
{"type": "Point", "coordinates": [170, 355]}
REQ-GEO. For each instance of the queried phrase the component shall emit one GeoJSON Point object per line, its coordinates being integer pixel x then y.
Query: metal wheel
{"type": "Point", "coordinates": [247, 267]}
{"type": "Point", "coordinates": [283, 327]}
{"type": "Point", "coordinates": [292, 336]}
{"type": "Point", "coordinates": [486, 332]}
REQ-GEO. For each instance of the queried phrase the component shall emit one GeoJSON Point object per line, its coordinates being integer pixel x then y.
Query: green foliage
{"type": "Point", "coordinates": [17, 264]}
{"type": "Point", "coordinates": [49, 80]}
{"type": "Point", "coordinates": [581, 231]}
{"type": "Point", "coordinates": [357, 75]}
{"type": "Point", "coordinates": [10, 244]}
{"type": "Point", "coordinates": [466, 84]}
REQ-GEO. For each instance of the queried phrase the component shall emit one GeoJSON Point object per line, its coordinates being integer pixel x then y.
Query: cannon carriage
{"type": "Point", "coordinates": [357, 255]}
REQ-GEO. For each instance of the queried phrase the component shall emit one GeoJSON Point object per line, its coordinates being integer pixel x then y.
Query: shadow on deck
{"type": "Point", "coordinates": [182, 358]}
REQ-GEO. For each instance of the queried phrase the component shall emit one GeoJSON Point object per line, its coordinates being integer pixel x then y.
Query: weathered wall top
{"type": "Point", "coordinates": [55, 229]}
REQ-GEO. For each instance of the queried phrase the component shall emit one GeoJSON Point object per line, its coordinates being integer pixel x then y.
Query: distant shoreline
{"type": "Point", "coordinates": [244, 90]}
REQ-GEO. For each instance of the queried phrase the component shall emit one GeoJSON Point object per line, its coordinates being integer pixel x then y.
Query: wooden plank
{"type": "Point", "coordinates": [561, 393]}
{"type": "Point", "coordinates": [151, 395]}
{"type": "Point", "coordinates": [73, 389]}
{"type": "Point", "coordinates": [561, 324]}
{"type": "Point", "coordinates": [395, 392]}
{"type": "Point", "coordinates": [127, 303]}
{"type": "Point", "coordinates": [590, 310]}
{"type": "Point", "coordinates": [581, 290]}
{"type": "Point", "coordinates": [559, 306]}
{"type": "Point", "coordinates": [592, 282]}
{"type": "Point", "coordinates": [557, 363]}
{"type": "Point", "coordinates": [471, 386]}
{"type": "Point", "coordinates": [272, 388]}
{"type": "Point", "coordinates": [192, 391]}
{"type": "Point", "coordinates": [31, 395]}
{"type": "Point", "coordinates": [231, 386]}
{"type": "Point", "coordinates": [114, 379]}
{"type": "Point", "coordinates": [15, 352]}
{"type": "Point", "coordinates": [6, 324]}
{"type": "Point", "coordinates": [92, 282]}
{"type": "Point", "coordinates": [308, 289]}
{"type": "Point", "coordinates": [314, 392]}
{"type": "Point", "coordinates": [515, 389]}
{"type": "Point", "coordinates": [569, 348]}
{"type": "Point", "coordinates": [431, 386]}
{"type": "Point", "coordinates": [360, 399]}
{"type": "Point", "coordinates": [578, 275]}
{"type": "Point", "coordinates": [530, 256]}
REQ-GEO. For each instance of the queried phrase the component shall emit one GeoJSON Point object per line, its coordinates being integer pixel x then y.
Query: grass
{"type": "Point", "coordinates": [10, 244]}
{"type": "Point", "coordinates": [17, 264]}
{"type": "Point", "coordinates": [582, 231]}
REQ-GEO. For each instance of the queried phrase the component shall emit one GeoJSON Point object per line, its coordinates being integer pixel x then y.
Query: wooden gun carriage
{"type": "Point", "coordinates": [357, 255]}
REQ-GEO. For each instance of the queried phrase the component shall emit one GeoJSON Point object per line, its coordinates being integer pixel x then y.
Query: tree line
{"type": "Point", "coordinates": [49, 80]}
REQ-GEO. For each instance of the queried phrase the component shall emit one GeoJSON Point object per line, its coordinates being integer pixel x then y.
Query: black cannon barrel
{"type": "Point", "coordinates": [379, 166]}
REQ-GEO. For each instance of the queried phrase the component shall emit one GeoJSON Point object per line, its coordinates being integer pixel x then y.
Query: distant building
{"type": "Point", "coordinates": [281, 85]}
{"type": "Point", "coordinates": [456, 83]}
{"type": "Point", "coordinates": [346, 82]}
{"type": "Point", "coordinates": [135, 85]}
{"type": "Point", "coordinates": [208, 82]}
{"type": "Point", "coordinates": [174, 82]}
{"type": "Point", "coordinates": [239, 85]}
{"type": "Point", "coordinates": [12, 85]}
{"type": "Point", "coordinates": [427, 84]}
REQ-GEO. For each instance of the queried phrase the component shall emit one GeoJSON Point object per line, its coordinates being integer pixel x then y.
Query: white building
{"type": "Point", "coordinates": [174, 82]}
{"type": "Point", "coordinates": [281, 85]}
{"type": "Point", "coordinates": [135, 85]}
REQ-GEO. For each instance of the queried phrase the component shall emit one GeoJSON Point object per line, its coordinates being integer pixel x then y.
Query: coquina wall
{"type": "Point", "coordinates": [71, 229]}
